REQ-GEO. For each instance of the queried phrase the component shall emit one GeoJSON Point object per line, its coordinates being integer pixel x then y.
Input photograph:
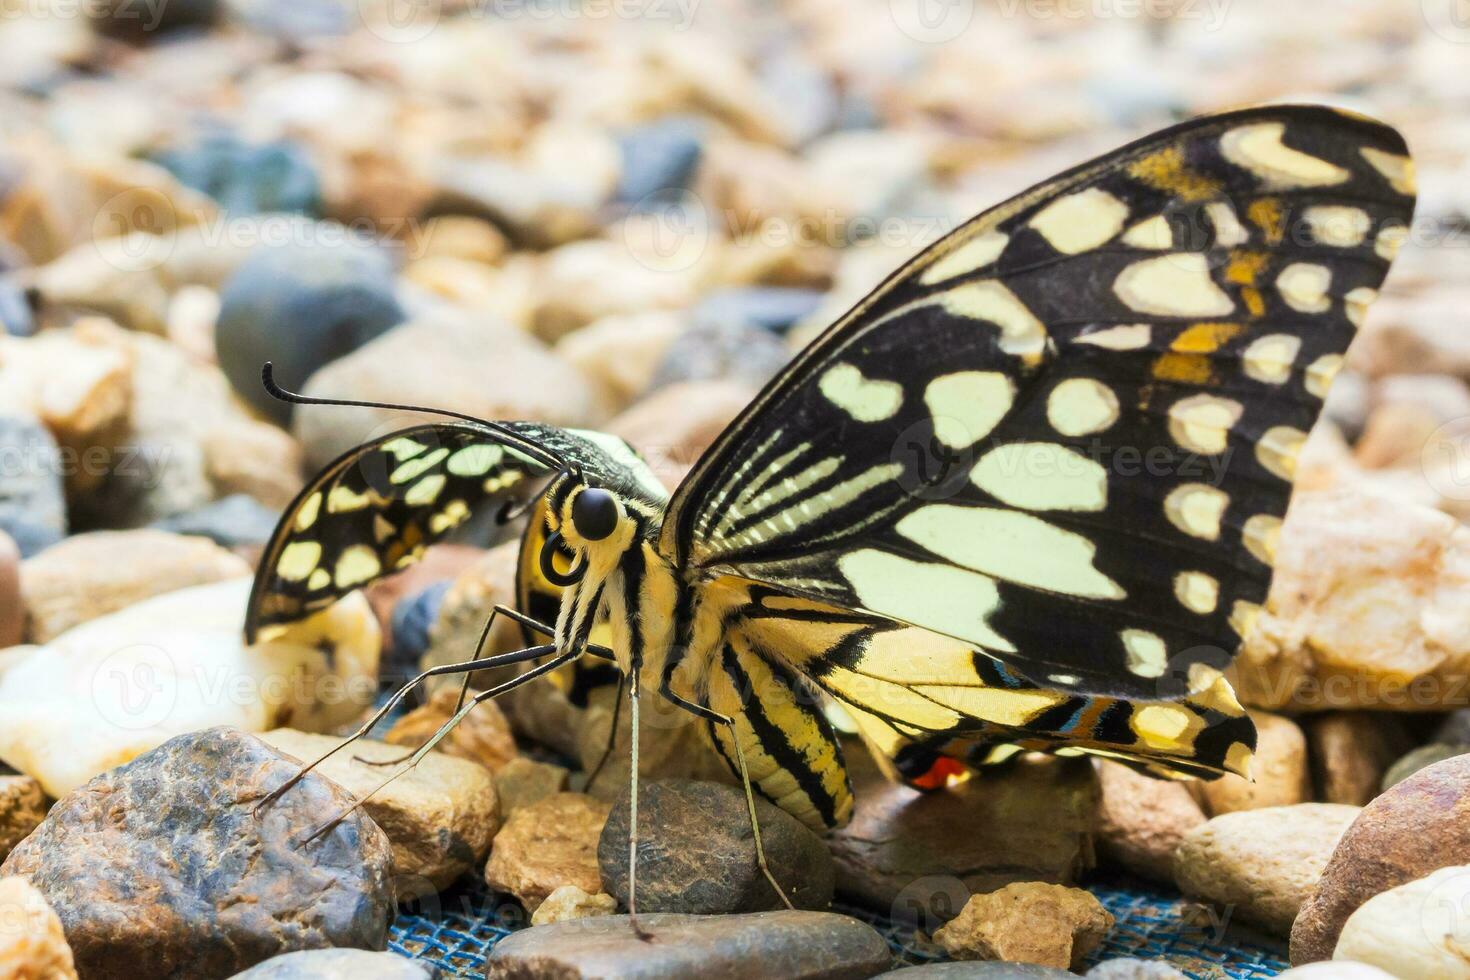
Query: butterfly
{"type": "Point", "coordinates": [1023, 496]}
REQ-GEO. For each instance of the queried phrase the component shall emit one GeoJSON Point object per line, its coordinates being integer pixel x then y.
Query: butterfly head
{"type": "Point", "coordinates": [589, 524]}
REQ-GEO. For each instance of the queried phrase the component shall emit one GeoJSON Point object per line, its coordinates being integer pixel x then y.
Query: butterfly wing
{"type": "Point", "coordinates": [374, 510]}
{"type": "Point", "coordinates": [1065, 434]}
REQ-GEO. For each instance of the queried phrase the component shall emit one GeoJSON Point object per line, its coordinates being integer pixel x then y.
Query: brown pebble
{"type": "Point", "coordinates": [1028, 922]}
{"type": "Point", "coordinates": [546, 845]}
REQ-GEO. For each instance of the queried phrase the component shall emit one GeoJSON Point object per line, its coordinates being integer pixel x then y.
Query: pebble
{"type": "Point", "coordinates": [253, 458]}
{"type": "Point", "coordinates": [1351, 751]}
{"type": "Point", "coordinates": [410, 626]}
{"type": "Point", "coordinates": [1416, 930]}
{"type": "Point", "coordinates": [1262, 863]}
{"type": "Point", "coordinates": [548, 844]}
{"type": "Point", "coordinates": [1420, 758]}
{"type": "Point", "coordinates": [440, 816]}
{"type": "Point", "coordinates": [1281, 773]}
{"type": "Point", "coordinates": [1336, 970]}
{"type": "Point", "coordinates": [137, 21]}
{"type": "Point", "coordinates": [772, 308]}
{"type": "Point", "coordinates": [238, 522]}
{"type": "Point", "coordinates": [696, 853]}
{"type": "Point", "coordinates": [1455, 729]}
{"type": "Point", "coordinates": [570, 902]}
{"type": "Point", "coordinates": [32, 943]}
{"type": "Point", "coordinates": [122, 684]}
{"type": "Point", "coordinates": [193, 851]}
{"type": "Point", "coordinates": [622, 352]}
{"type": "Point", "coordinates": [100, 572]}
{"type": "Point", "coordinates": [659, 156]}
{"type": "Point", "coordinates": [12, 613]}
{"type": "Point", "coordinates": [1367, 579]}
{"type": "Point", "coordinates": [981, 970]}
{"type": "Point", "coordinates": [1028, 922]}
{"type": "Point", "coordinates": [301, 306]}
{"type": "Point", "coordinates": [22, 808]}
{"type": "Point", "coordinates": [522, 781]}
{"type": "Point", "coordinates": [1141, 820]}
{"type": "Point", "coordinates": [713, 349]}
{"type": "Point", "coordinates": [32, 505]}
{"type": "Point", "coordinates": [247, 178]}
{"type": "Point", "coordinates": [483, 736]}
{"type": "Point", "coordinates": [441, 361]}
{"type": "Point", "coordinates": [340, 964]}
{"type": "Point", "coordinates": [580, 283]}
{"type": "Point", "coordinates": [1418, 826]}
{"type": "Point", "coordinates": [16, 317]}
{"type": "Point", "coordinates": [918, 857]}
{"type": "Point", "coordinates": [674, 425]}
{"type": "Point", "coordinates": [1134, 970]}
{"type": "Point", "coordinates": [795, 945]}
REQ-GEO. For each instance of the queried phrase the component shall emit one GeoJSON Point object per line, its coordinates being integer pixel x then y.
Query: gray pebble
{"type": "Point", "coordinates": [32, 497]}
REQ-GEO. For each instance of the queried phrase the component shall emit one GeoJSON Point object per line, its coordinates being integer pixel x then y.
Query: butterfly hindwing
{"type": "Point", "coordinates": [1065, 434]}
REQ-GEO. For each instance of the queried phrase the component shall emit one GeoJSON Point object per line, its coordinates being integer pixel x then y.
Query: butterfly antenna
{"type": "Point", "coordinates": [513, 439]}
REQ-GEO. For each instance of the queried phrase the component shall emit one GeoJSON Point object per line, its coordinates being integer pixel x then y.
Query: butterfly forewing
{"type": "Point", "coordinates": [1066, 433]}
{"type": "Point", "coordinates": [375, 510]}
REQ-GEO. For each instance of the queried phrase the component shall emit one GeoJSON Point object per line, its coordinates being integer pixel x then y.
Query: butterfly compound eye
{"type": "Point", "coordinates": [595, 514]}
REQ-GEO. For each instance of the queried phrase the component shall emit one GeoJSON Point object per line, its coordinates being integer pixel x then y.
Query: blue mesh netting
{"type": "Point", "coordinates": [455, 930]}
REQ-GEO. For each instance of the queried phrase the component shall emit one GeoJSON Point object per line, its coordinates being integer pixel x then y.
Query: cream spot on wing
{"type": "Point", "coordinates": [1202, 422]}
{"type": "Point", "coordinates": [938, 597]}
{"type": "Point", "coordinates": [1229, 232]}
{"type": "Point", "coordinates": [412, 469]}
{"type": "Point", "coordinates": [1130, 336]}
{"type": "Point", "coordinates": [1239, 758]}
{"type": "Point", "coordinates": [1397, 169]}
{"type": "Point", "coordinates": [1277, 451]}
{"type": "Point", "coordinates": [403, 448]}
{"type": "Point", "coordinates": [298, 560]}
{"type": "Point", "coordinates": [1321, 372]}
{"type": "Point", "coordinates": [475, 460]}
{"type": "Point", "coordinates": [1042, 476]}
{"type": "Point", "coordinates": [865, 399]}
{"type": "Point", "coordinates": [1304, 287]}
{"type": "Point", "coordinates": [320, 579]}
{"type": "Point", "coordinates": [1152, 233]}
{"type": "Point", "coordinates": [454, 513]}
{"type": "Point", "coordinates": [1269, 359]}
{"type": "Point", "coordinates": [1338, 225]}
{"type": "Point", "coordinates": [1243, 616]}
{"type": "Point", "coordinates": [1021, 334]}
{"type": "Point", "coordinates": [1078, 222]}
{"type": "Point", "coordinates": [344, 500]}
{"type": "Point", "coordinates": [425, 491]}
{"type": "Point", "coordinates": [306, 514]}
{"type": "Point", "coordinates": [1197, 592]}
{"type": "Point", "coordinates": [356, 565]}
{"type": "Point", "coordinates": [1258, 148]}
{"type": "Point", "coordinates": [1356, 304]}
{"type": "Point", "coordinates": [1017, 547]}
{"type": "Point", "coordinates": [1147, 655]}
{"type": "Point", "coordinates": [1177, 284]}
{"type": "Point", "coordinates": [383, 528]}
{"type": "Point", "coordinates": [967, 405]}
{"type": "Point", "coordinates": [1066, 680]}
{"type": "Point", "coordinates": [1196, 509]}
{"type": "Point", "coordinates": [1261, 534]}
{"type": "Point", "coordinates": [972, 256]}
{"type": "Point", "coordinates": [1161, 726]}
{"type": "Point", "coordinates": [1081, 406]}
{"type": "Point", "coordinates": [1390, 239]}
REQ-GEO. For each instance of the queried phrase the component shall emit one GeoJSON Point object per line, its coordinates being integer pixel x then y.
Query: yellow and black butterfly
{"type": "Point", "coordinates": [1025, 495]}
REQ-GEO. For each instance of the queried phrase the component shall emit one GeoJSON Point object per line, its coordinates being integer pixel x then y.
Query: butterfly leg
{"type": "Point", "coordinates": [518, 656]}
{"type": "Point", "coordinates": [464, 688]}
{"type": "Point", "coordinates": [633, 687]}
{"type": "Point", "coordinates": [444, 730]}
{"type": "Point", "coordinates": [700, 711]}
